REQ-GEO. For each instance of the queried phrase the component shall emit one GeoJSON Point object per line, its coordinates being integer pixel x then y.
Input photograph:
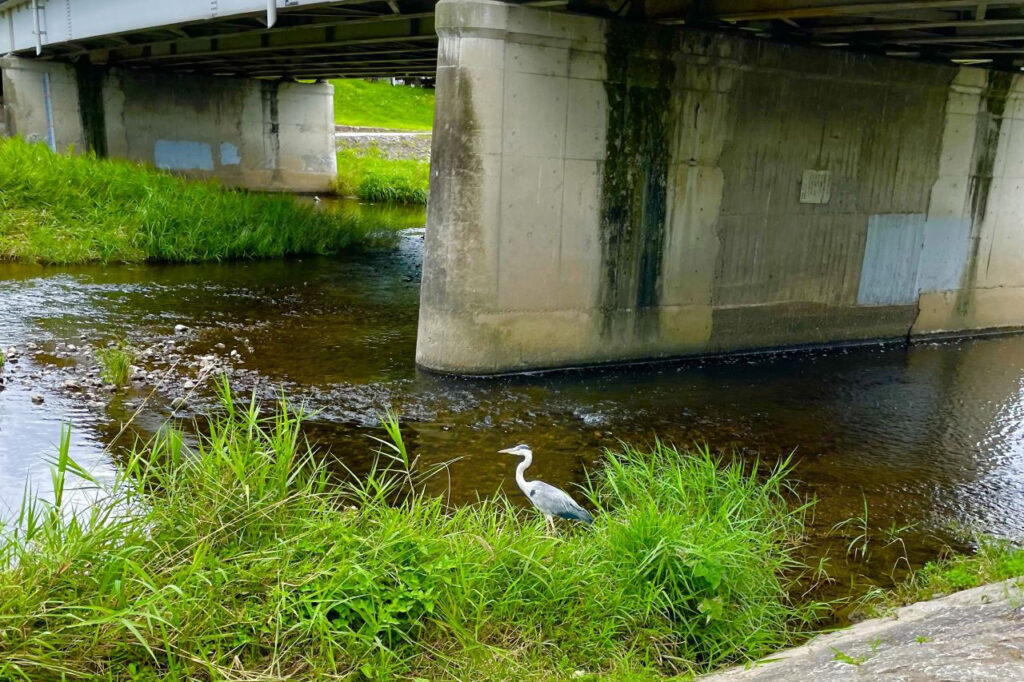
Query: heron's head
{"type": "Point", "coordinates": [521, 450]}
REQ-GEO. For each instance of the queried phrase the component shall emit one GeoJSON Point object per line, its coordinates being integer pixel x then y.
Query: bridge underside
{"type": "Point", "coordinates": [365, 38]}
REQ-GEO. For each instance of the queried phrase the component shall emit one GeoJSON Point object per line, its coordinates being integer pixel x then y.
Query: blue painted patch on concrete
{"type": "Point", "coordinates": [888, 273]}
{"type": "Point", "coordinates": [183, 155]}
{"type": "Point", "coordinates": [229, 154]}
{"type": "Point", "coordinates": [944, 254]}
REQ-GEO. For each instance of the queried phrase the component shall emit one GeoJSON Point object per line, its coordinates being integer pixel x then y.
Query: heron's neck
{"type": "Point", "coordinates": [521, 469]}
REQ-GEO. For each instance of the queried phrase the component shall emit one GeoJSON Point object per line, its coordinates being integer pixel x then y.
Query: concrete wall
{"type": "Point", "coordinates": [255, 134]}
{"type": "Point", "coordinates": [605, 192]}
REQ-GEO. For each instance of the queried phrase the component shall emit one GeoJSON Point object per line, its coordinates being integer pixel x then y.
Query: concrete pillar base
{"type": "Point", "coordinates": [606, 192]}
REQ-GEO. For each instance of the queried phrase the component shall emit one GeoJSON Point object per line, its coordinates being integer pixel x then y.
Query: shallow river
{"type": "Point", "coordinates": [930, 436]}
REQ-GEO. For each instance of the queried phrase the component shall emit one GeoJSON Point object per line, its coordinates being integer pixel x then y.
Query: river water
{"type": "Point", "coordinates": [930, 437]}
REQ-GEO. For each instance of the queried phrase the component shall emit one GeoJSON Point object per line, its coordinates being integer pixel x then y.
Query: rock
{"type": "Point", "coordinates": [189, 384]}
{"type": "Point", "coordinates": [72, 347]}
{"type": "Point", "coordinates": [179, 402]}
{"type": "Point", "coordinates": [37, 399]}
{"type": "Point", "coordinates": [220, 346]}
{"type": "Point", "coordinates": [180, 329]}
{"type": "Point", "coordinates": [72, 385]}
{"type": "Point", "coordinates": [233, 353]}
{"type": "Point", "coordinates": [110, 388]}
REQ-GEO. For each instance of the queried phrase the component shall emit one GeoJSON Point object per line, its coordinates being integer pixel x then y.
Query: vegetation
{"type": "Point", "coordinates": [73, 209]}
{"type": "Point", "coordinates": [3, 358]}
{"type": "Point", "coordinates": [237, 558]}
{"type": "Point", "coordinates": [378, 104]}
{"type": "Point", "coordinates": [116, 363]}
{"type": "Point", "coordinates": [994, 560]}
{"type": "Point", "coordinates": [371, 177]}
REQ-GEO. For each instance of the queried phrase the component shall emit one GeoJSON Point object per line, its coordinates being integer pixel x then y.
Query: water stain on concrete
{"type": "Point", "coordinates": [635, 178]}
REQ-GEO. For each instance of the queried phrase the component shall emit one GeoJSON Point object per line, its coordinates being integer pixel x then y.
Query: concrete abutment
{"type": "Point", "coordinates": [248, 133]}
{"type": "Point", "coordinates": [604, 192]}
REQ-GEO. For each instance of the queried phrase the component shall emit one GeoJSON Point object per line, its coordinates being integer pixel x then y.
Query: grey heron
{"type": "Point", "coordinates": [551, 501]}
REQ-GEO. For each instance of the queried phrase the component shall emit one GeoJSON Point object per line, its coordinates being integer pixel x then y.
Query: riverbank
{"type": "Point", "coordinates": [976, 634]}
{"type": "Point", "coordinates": [65, 209]}
{"type": "Point", "coordinates": [365, 172]}
{"type": "Point", "coordinates": [237, 558]}
{"type": "Point", "coordinates": [383, 140]}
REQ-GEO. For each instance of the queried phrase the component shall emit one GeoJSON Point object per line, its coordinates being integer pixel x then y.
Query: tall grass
{"type": "Point", "coordinates": [116, 363]}
{"type": "Point", "coordinates": [378, 104]}
{"type": "Point", "coordinates": [73, 209]}
{"type": "Point", "coordinates": [371, 177]}
{"type": "Point", "coordinates": [237, 558]}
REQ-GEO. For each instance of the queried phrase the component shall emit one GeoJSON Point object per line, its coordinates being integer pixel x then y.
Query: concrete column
{"type": "Point", "coordinates": [247, 133]}
{"type": "Point", "coordinates": [607, 192]}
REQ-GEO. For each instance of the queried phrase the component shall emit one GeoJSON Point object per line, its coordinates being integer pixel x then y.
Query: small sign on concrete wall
{"type": "Point", "coordinates": [816, 187]}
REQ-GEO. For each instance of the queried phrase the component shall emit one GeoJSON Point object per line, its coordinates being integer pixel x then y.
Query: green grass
{"type": "Point", "coordinates": [237, 558]}
{"type": "Point", "coordinates": [371, 177]}
{"type": "Point", "coordinates": [382, 105]}
{"type": "Point", "coordinates": [116, 363]}
{"type": "Point", "coordinates": [75, 209]}
{"type": "Point", "coordinates": [3, 358]}
{"type": "Point", "coordinates": [994, 560]}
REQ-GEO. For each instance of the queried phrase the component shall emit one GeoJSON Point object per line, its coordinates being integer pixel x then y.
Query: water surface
{"type": "Point", "coordinates": [929, 436]}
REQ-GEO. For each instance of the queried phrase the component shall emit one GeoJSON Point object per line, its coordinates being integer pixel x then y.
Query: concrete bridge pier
{"type": "Point", "coordinates": [258, 134]}
{"type": "Point", "coordinates": [607, 192]}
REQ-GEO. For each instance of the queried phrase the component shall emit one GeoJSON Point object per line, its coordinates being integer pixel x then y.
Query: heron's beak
{"type": "Point", "coordinates": [506, 451]}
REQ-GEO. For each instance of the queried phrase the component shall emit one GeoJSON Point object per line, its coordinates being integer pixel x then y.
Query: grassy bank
{"type": "Point", "coordinates": [75, 209]}
{"type": "Point", "coordinates": [236, 559]}
{"type": "Point", "coordinates": [994, 560]}
{"type": "Point", "coordinates": [379, 104]}
{"type": "Point", "coordinates": [371, 177]}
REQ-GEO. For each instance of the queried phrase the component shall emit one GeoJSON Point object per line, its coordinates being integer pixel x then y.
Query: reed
{"type": "Point", "coordinates": [232, 555]}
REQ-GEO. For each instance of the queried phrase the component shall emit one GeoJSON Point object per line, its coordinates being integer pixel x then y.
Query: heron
{"type": "Point", "coordinates": [551, 501]}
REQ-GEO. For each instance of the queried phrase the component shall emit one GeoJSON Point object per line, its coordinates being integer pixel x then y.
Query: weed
{"type": "Point", "coordinates": [847, 658]}
{"type": "Point", "coordinates": [858, 545]}
{"type": "Point", "coordinates": [3, 358]}
{"type": "Point", "coordinates": [921, 639]}
{"type": "Point", "coordinates": [116, 363]}
{"type": "Point", "coordinates": [236, 557]}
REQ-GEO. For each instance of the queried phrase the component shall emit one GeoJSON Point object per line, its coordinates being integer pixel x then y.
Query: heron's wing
{"type": "Point", "coordinates": [557, 502]}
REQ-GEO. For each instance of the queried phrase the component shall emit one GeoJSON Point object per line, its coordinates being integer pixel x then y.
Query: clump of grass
{"type": "Point", "coordinates": [116, 363]}
{"type": "Point", "coordinates": [74, 209]}
{"type": "Point", "coordinates": [236, 558]}
{"type": "Point", "coordinates": [378, 104]}
{"type": "Point", "coordinates": [371, 177]}
{"type": "Point", "coordinates": [3, 358]}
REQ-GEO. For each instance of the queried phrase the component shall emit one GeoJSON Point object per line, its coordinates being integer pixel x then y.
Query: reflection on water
{"type": "Point", "coordinates": [928, 435]}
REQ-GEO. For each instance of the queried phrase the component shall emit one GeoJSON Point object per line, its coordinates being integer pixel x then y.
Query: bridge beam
{"type": "Point", "coordinates": [258, 134]}
{"type": "Point", "coordinates": [608, 192]}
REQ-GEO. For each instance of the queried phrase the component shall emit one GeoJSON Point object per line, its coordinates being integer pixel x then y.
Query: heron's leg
{"type": "Point", "coordinates": [550, 522]}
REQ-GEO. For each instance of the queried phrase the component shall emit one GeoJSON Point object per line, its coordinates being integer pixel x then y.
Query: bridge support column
{"type": "Point", "coordinates": [264, 135]}
{"type": "Point", "coordinates": [606, 192]}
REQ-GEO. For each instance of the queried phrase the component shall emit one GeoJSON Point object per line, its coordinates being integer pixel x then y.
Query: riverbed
{"type": "Point", "coordinates": [929, 438]}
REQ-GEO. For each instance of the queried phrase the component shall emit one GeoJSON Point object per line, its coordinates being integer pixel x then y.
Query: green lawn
{"type": "Point", "coordinates": [382, 105]}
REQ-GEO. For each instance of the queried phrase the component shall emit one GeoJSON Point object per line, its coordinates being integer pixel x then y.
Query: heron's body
{"type": "Point", "coordinates": [551, 501]}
